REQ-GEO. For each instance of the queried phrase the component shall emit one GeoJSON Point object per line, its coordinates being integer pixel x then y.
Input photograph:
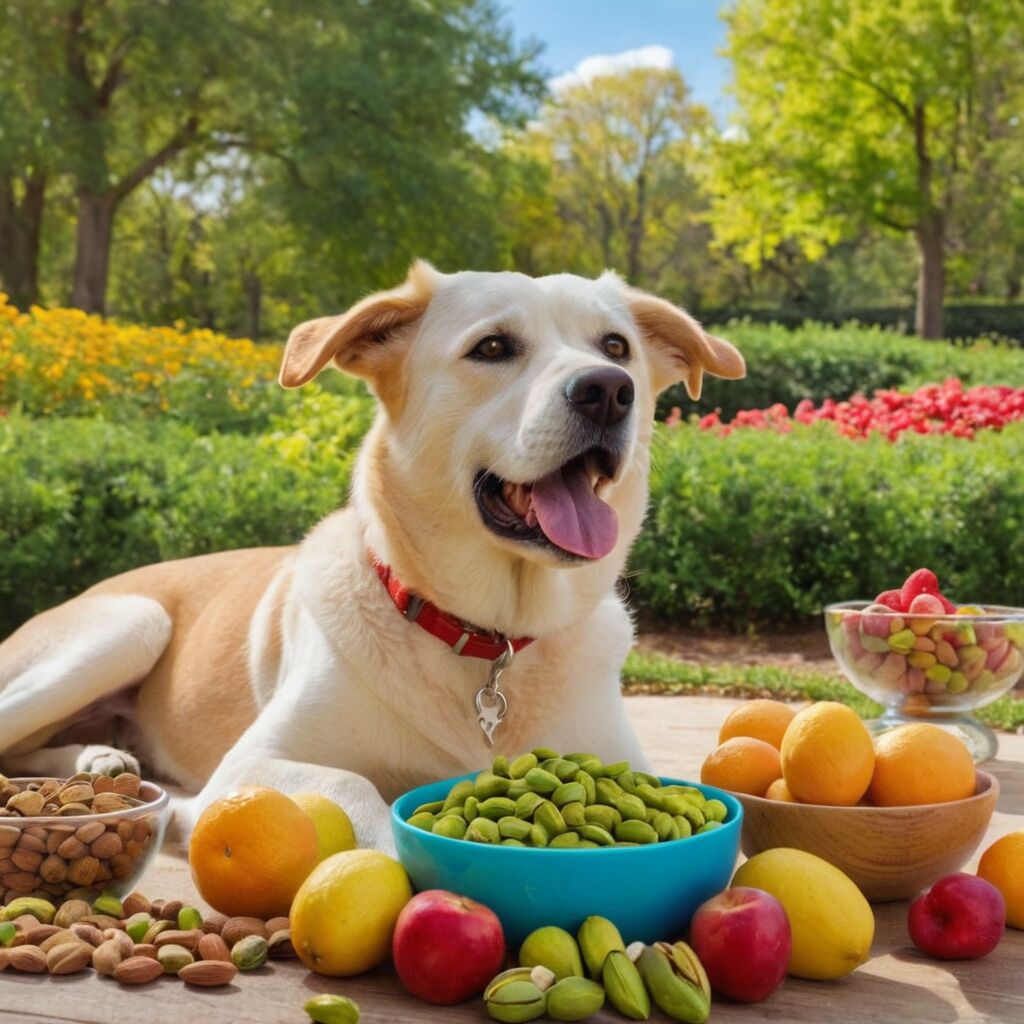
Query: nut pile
{"type": "Point", "coordinates": [137, 940]}
{"type": "Point", "coordinates": [55, 858]}
{"type": "Point", "coordinates": [541, 799]}
{"type": "Point", "coordinates": [551, 978]}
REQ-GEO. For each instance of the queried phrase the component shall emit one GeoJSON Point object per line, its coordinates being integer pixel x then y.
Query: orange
{"type": "Point", "coordinates": [827, 755]}
{"type": "Point", "coordinates": [743, 765]}
{"type": "Point", "coordinates": [920, 764]}
{"type": "Point", "coordinates": [763, 719]}
{"type": "Point", "coordinates": [778, 790]}
{"type": "Point", "coordinates": [1002, 864]}
{"type": "Point", "coordinates": [250, 852]}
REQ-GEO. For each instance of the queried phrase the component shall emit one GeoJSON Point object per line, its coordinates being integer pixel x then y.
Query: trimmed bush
{"type": "Point", "coordinates": [819, 362]}
{"type": "Point", "coordinates": [767, 528]}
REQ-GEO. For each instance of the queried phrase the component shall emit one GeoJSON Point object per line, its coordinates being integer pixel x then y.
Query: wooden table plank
{"type": "Point", "coordinates": [898, 983]}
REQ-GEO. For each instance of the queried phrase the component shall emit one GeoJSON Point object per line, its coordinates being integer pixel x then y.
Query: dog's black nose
{"type": "Point", "coordinates": [603, 395]}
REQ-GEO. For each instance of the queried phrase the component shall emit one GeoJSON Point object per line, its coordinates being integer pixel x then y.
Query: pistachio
{"type": "Point", "coordinates": [42, 910]}
{"type": "Point", "coordinates": [650, 796]}
{"type": "Point", "coordinates": [432, 808]}
{"type": "Point", "coordinates": [564, 840]}
{"type": "Point", "coordinates": [469, 808]}
{"type": "Point", "coordinates": [155, 929]}
{"type": "Point", "coordinates": [574, 814]}
{"type": "Point", "coordinates": [527, 804]}
{"type": "Point", "coordinates": [624, 986]}
{"type": "Point", "coordinates": [108, 903]}
{"type": "Point", "coordinates": [483, 830]}
{"type": "Point", "coordinates": [599, 814]}
{"type": "Point", "coordinates": [550, 819]}
{"type": "Point", "coordinates": [249, 953]}
{"type": "Point", "coordinates": [709, 826]}
{"type": "Point", "coordinates": [538, 837]}
{"type": "Point", "coordinates": [553, 948]}
{"type": "Point", "coordinates": [87, 933]}
{"type": "Point", "coordinates": [666, 828]}
{"type": "Point", "coordinates": [279, 945]}
{"type": "Point", "coordinates": [541, 781]}
{"type": "Point", "coordinates": [68, 958]}
{"type": "Point", "coordinates": [512, 827]}
{"type": "Point", "coordinates": [499, 766]}
{"type": "Point", "coordinates": [189, 919]}
{"type": "Point", "coordinates": [70, 912]}
{"type": "Point", "coordinates": [635, 832]}
{"type": "Point", "coordinates": [450, 825]}
{"type": "Point", "coordinates": [423, 820]}
{"type": "Point", "coordinates": [543, 753]}
{"type": "Point", "coordinates": [684, 826]}
{"type": "Point", "coordinates": [574, 999]}
{"type": "Point", "coordinates": [565, 770]}
{"type": "Point", "coordinates": [597, 937]}
{"type": "Point", "coordinates": [329, 1009]}
{"type": "Point", "coordinates": [516, 788]}
{"type": "Point", "coordinates": [515, 1002]}
{"type": "Point", "coordinates": [458, 794]}
{"type": "Point", "coordinates": [646, 777]}
{"type": "Point", "coordinates": [8, 933]}
{"type": "Point", "coordinates": [631, 807]}
{"type": "Point", "coordinates": [715, 810]}
{"type": "Point", "coordinates": [496, 807]}
{"type": "Point", "coordinates": [27, 803]}
{"type": "Point", "coordinates": [626, 781]}
{"type": "Point", "coordinates": [173, 957]}
{"type": "Point", "coordinates": [487, 784]}
{"type": "Point", "coordinates": [596, 834]}
{"type": "Point", "coordinates": [608, 791]}
{"type": "Point", "coordinates": [107, 956]}
{"type": "Point", "coordinates": [676, 981]}
{"type": "Point", "coordinates": [539, 975]}
{"type": "Point", "coordinates": [518, 768]}
{"type": "Point", "coordinates": [586, 780]}
{"type": "Point", "coordinates": [569, 792]}
{"type": "Point", "coordinates": [137, 925]}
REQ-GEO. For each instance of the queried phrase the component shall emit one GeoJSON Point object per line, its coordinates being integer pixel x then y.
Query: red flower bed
{"type": "Point", "coordinates": [933, 409]}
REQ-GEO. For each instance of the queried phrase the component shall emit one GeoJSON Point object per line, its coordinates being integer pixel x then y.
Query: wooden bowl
{"type": "Point", "coordinates": [891, 853]}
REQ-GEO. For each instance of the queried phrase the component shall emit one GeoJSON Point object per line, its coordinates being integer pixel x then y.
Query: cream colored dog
{"type": "Point", "coordinates": [503, 481]}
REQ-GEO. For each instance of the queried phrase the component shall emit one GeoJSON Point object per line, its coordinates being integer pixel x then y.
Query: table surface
{"type": "Point", "coordinates": [897, 984]}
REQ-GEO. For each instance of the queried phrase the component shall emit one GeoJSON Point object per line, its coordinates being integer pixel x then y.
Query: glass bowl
{"type": "Point", "coordinates": [53, 857]}
{"type": "Point", "coordinates": [930, 668]}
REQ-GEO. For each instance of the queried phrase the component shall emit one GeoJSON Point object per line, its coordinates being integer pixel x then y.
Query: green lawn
{"type": "Point", "coordinates": [652, 673]}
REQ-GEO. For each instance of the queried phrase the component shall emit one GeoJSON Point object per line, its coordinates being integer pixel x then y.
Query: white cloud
{"type": "Point", "coordinates": [610, 64]}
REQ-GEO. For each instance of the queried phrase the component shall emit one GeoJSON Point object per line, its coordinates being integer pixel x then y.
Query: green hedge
{"type": "Point", "coordinates": [817, 362]}
{"type": "Point", "coordinates": [766, 528]}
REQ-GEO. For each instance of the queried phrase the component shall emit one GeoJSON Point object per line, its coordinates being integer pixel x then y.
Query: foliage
{"type": "Point", "coordinates": [651, 673]}
{"type": "Point", "coordinates": [817, 362]}
{"type": "Point", "coordinates": [759, 527]}
{"type": "Point", "coordinates": [900, 116]}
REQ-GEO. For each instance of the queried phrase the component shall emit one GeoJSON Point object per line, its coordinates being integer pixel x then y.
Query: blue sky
{"type": "Point", "coordinates": [573, 30]}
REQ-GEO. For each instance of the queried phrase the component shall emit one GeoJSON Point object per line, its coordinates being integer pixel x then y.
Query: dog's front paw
{"type": "Point", "coordinates": [106, 761]}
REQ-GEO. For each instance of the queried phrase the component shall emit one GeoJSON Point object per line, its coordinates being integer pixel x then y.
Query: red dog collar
{"type": "Point", "coordinates": [454, 632]}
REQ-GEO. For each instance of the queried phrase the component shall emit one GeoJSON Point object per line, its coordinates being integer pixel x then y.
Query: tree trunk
{"type": "Point", "coordinates": [20, 229]}
{"type": "Point", "coordinates": [930, 235]}
{"type": "Point", "coordinates": [254, 300]}
{"type": "Point", "coordinates": [92, 252]}
{"type": "Point", "coordinates": [636, 232]}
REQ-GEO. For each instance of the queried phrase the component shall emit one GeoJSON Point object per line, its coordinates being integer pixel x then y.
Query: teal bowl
{"type": "Point", "coordinates": [650, 892]}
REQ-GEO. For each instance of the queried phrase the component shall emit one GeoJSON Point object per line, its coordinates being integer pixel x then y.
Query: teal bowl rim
{"type": "Point", "coordinates": [733, 821]}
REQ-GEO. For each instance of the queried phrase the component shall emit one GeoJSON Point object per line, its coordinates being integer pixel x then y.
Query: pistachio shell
{"type": "Point", "coordinates": [624, 986]}
{"type": "Point", "coordinates": [515, 1002]}
{"type": "Point", "coordinates": [676, 981]}
{"type": "Point", "coordinates": [553, 948]}
{"type": "Point", "coordinates": [597, 937]}
{"type": "Point", "coordinates": [574, 999]}
{"type": "Point", "coordinates": [330, 1009]}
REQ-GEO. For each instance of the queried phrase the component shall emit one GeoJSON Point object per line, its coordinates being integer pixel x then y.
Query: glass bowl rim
{"type": "Point", "coordinates": [993, 613]}
{"type": "Point", "coordinates": [157, 804]}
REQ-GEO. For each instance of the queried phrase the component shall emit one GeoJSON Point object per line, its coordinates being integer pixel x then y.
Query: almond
{"type": "Point", "coordinates": [83, 871]}
{"type": "Point", "coordinates": [38, 934]}
{"type": "Point", "coordinates": [89, 831]}
{"type": "Point", "coordinates": [53, 869]}
{"type": "Point", "coordinates": [71, 848]}
{"type": "Point", "coordinates": [135, 903]}
{"type": "Point", "coordinates": [237, 928]}
{"type": "Point", "coordinates": [138, 970]}
{"type": "Point", "coordinates": [26, 860]}
{"type": "Point", "coordinates": [29, 959]}
{"type": "Point", "coordinates": [31, 843]}
{"type": "Point", "coordinates": [276, 924]}
{"type": "Point", "coordinates": [208, 972]}
{"type": "Point", "coordinates": [69, 958]}
{"type": "Point", "coordinates": [146, 949]}
{"type": "Point", "coordinates": [107, 956]}
{"type": "Point", "coordinates": [213, 947]}
{"type": "Point", "coordinates": [169, 911]}
{"type": "Point", "coordinates": [108, 845]}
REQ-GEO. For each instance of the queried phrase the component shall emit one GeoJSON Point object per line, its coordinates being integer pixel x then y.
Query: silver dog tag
{"type": "Point", "coordinates": [491, 703]}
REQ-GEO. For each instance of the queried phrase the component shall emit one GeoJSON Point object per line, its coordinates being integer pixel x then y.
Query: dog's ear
{"type": "Point", "coordinates": [680, 348]}
{"type": "Point", "coordinates": [361, 341]}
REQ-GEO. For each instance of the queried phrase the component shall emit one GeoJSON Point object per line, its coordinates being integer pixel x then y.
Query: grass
{"type": "Point", "coordinates": [655, 673]}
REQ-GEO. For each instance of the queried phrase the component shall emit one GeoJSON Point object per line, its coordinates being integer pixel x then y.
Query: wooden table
{"type": "Point", "coordinates": [898, 984]}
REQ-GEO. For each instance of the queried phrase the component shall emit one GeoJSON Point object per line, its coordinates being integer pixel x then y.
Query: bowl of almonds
{"type": "Point", "coordinates": [75, 838]}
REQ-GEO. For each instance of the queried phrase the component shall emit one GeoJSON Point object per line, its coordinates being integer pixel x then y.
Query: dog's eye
{"type": "Point", "coordinates": [614, 346]}
{"type": "Point", "coordinates": [492, 348]}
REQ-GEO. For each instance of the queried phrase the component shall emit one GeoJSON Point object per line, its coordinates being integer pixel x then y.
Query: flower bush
{"type": "Point", "coordinates": [932, 409]}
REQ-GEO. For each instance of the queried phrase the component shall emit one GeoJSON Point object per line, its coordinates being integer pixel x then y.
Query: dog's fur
{"type": "Point", "coordinates": [291, 667]}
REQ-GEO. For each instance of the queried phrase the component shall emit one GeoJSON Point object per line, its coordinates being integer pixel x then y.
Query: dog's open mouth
{"type": "Point", "coordinates": [561, 511]}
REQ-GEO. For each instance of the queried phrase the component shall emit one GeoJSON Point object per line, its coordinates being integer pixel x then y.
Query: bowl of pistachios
{"type": "Point", "coordinates": [547, 839]}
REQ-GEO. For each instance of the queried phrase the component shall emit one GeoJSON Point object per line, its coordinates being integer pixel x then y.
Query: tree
{"type": "Point", "coordinates": [615, 155]}
{"type": "Point", "coordinates": [853, 112]}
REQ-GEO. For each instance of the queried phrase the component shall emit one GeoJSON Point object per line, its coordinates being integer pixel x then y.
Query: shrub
{"type": "Point", "coordinates": [767, 528]}
{"type": "Point", "coordinates": [817, 362]}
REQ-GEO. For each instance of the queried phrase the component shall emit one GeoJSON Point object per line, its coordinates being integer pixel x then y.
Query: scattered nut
{"type": "Point", "coordinates": [138, 970]}
{"type": "Point", "coordinates": [208, 972]}
{"type": "Point", "coordinates": [237, 928]}
{"type": "Point", "coordinates": [68, 958]}
{"type": "Point", "coordinates": [213, 947]}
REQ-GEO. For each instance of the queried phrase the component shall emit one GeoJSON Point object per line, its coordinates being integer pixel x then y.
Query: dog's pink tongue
{"type": "Point", "coordinates": [572, 515]}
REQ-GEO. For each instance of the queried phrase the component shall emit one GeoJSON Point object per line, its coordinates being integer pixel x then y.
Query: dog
{"type": "Point", "coordinates": [466, 595]}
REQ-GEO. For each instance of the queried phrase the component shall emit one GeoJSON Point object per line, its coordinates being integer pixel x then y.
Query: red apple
{"type": "Point", "coordinates": [446, 947]}
{"type": "Point", "coordinates": [743, 939]}
{"type": "Point", "coordinates": [961, 917]}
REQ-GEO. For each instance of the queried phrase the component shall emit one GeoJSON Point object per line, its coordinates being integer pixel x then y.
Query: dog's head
{"type": "Point", "coordinates": [515, 412]}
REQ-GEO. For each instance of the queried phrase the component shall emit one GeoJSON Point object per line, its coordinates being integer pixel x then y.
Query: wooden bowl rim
{"type": "Point", "coordinates": [986, 787]}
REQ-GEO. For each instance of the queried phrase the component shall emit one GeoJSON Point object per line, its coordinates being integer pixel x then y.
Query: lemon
{"type": "Point", "coordinates": [832, 924]}
{"type": "Point", "coordinates": [344, 913]}
{"type": "Point", "coordinates": [333, 828]}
